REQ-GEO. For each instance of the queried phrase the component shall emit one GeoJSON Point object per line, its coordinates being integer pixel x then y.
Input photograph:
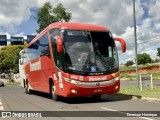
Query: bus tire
{"type": "Point", "coordinates": [96, 97]}
{"type": "Point", "coordinates": [27, 90]}
{"type": "Point", "coordinates": [53, 92]}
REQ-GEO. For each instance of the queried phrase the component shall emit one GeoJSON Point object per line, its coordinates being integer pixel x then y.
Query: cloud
{"type": "Point", "coordinates": [154, 13]}
{"type": "Point", "coordinates": [21, 34]}
{"type": "Point", "coordinates": [14, 12]}
{"type": "Point", "coordinates": [147, 40]}
{"type": "Point", "coordinates": [117, 15]}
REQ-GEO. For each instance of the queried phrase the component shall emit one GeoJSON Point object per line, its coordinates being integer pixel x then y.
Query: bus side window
{"type": "Point", "coordinates": [23, 57]}
{"type": "Point", "coordinates": [58, 57]}
{"type": "Point", "coordinates": [44, 46]}
{"type": "Point", "coordinates": [33, 51]}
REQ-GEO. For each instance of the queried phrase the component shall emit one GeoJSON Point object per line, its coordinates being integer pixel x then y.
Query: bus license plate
{"type": "Point", "coordinates": [98, 90]}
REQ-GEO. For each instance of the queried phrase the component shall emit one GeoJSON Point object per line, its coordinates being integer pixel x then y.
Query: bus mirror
{"type": "Point", "coordinates": [59, 44]}
{"type": "Point", "coordinates": [123, 44]}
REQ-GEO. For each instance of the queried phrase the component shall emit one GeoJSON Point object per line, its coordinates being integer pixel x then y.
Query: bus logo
{"type": "Point", "coordinates": [93, 68]}
{"type": "Point", "coordinates": [97, 83]}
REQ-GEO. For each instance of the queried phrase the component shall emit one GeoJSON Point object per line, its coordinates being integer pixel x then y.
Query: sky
{"type": "Point", "coordinates": [17, 18]}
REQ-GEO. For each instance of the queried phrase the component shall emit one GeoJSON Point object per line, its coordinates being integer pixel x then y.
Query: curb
{"type": "Point", "coordinates": [135, 97]}
{"type": "Point", "coordinates": [146, 98]}
{"type": "Point", "coordinates": [151, 99]}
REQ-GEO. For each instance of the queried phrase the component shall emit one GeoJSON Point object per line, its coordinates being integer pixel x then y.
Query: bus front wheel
{"type": "Point", "coordinates": [53, 92]}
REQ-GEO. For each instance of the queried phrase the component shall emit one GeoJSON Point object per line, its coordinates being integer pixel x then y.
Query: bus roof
{"type": "Point", "coordinates": [69, 25]}
{"type": "Point", "coordinates": [78, 26]}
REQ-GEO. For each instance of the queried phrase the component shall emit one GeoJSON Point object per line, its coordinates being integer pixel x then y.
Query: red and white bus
{"type": "Point", "coordinates": [70, 60]}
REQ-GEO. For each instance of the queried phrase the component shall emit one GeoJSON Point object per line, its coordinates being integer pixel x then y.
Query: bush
{"type": "Point", "coordinates": [129, 63]}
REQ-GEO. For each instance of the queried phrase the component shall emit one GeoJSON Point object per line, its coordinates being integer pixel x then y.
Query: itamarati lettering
{"type": "Point", "coordinates": [97, 79]}
{"type": "Point", "coordinates": [35, 66]}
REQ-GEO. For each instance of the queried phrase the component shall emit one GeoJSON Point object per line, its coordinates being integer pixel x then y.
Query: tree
{"type": "Point", "coordinates": [129, 63]}
{"type": "Point", "coordinates": [157, 60]}
{"type": "Point", "coordinates": [9, 56]}
{"type": "Point", "coordinates": [144, 58]}
{"type": "Point", "coordinates": [158, 52]}
{"type": "Point", "coordinates": [47, 15]}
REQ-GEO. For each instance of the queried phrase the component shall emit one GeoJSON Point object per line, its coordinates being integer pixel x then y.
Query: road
{"type": "Point", "coordinates": [13, 98]}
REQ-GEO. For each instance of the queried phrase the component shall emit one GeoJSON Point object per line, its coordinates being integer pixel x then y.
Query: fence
{"type": "Point", "coordinates": [146, 79]}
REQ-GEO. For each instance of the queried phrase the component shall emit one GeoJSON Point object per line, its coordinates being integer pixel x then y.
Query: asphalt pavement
{"type": "Point", "coordinates": [13, 98]}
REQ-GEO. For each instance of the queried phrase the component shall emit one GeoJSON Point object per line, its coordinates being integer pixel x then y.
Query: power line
{"type": "Point", "coordinates": [144, 42]}
{"type": "Point", "coordinates": [152, 39]}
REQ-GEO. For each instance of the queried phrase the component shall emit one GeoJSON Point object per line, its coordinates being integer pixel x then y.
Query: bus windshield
{"type": "Point", "coordinates": [89, 51]}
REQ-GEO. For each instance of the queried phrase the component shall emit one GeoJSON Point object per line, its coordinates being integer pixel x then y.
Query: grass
{"type": "Point", "coordinates": [13, 83]}
{"type": "Point", "coordinates": [124, 68]}
{"type": "Point", "coordinates": [132, 76]}
{"type": "Point", "coordinates": [128, 76]}
{"type": "Point", "coordinates": [156, 76]}
{"type": "Point", "coordinates": [146, 92]}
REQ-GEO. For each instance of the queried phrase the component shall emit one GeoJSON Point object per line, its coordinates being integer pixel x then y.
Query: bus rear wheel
{"type": "Point", "coordinates": [27, 90]}
{"type": "Point", "coordinates": [53, 92]}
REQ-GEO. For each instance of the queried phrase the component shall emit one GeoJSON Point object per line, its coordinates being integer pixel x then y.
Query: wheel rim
{"type": "Point", "coordinates": [27, 88]}
{"type": "Point", "coordinates": [53, 92]}
{"type": "Point", "coordinates": [53, 89]}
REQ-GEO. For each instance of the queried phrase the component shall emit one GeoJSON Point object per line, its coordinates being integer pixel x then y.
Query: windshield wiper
{"type": "Point", "coordinates": [104, 63]}
{"type": "Point", "coordinates": [102, 60]}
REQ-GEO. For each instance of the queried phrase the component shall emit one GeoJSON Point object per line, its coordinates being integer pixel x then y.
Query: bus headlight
{"type": "Point", "coordinates": [116, 79]}
{"type": "Point", "coordinates": [116, 87]}
{"type": "Point", "coordinates": [72, 81]}
{"type": "Point", "coordinates": [74, 91]}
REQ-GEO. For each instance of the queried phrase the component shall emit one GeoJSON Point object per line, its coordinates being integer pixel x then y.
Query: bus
{"type": "Point", "coordinates": [3, 40]}
{"type": "Point", "coordinates": [71, 60]}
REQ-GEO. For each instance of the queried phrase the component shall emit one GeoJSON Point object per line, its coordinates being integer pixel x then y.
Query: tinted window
{"type": "Point", "coordinates": [39, 48]}
{"type": "Point", "coordinates": [58, 57]}
{"type": "Point", "coordinates": [44, 46]}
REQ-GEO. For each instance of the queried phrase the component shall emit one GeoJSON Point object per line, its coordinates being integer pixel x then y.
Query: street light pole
{"type": "Point", "coordinates": [135, 38]}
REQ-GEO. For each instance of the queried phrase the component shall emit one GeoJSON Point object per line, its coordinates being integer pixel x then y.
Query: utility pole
{"type": "Point", "coordinates": [135, 38]}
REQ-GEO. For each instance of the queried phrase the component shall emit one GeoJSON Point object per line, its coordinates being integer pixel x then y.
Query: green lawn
{"type": "Point", "coordinates": [146, 92]}
{"type": "Point", "coordinates": [123, 68]}
{"type": "Point", "coordinates": [13, 83]}
{"type": "Point", "coordinates": [156, 76]}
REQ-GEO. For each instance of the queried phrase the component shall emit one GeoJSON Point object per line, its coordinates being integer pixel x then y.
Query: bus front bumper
{"type": "Point", "coordinates": [91, 88]}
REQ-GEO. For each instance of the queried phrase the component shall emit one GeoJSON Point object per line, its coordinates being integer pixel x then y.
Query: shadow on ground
{"type": "Point", "coordinates": [120, 96]}
{"type": "Point", "coordinates": [89, 99]}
